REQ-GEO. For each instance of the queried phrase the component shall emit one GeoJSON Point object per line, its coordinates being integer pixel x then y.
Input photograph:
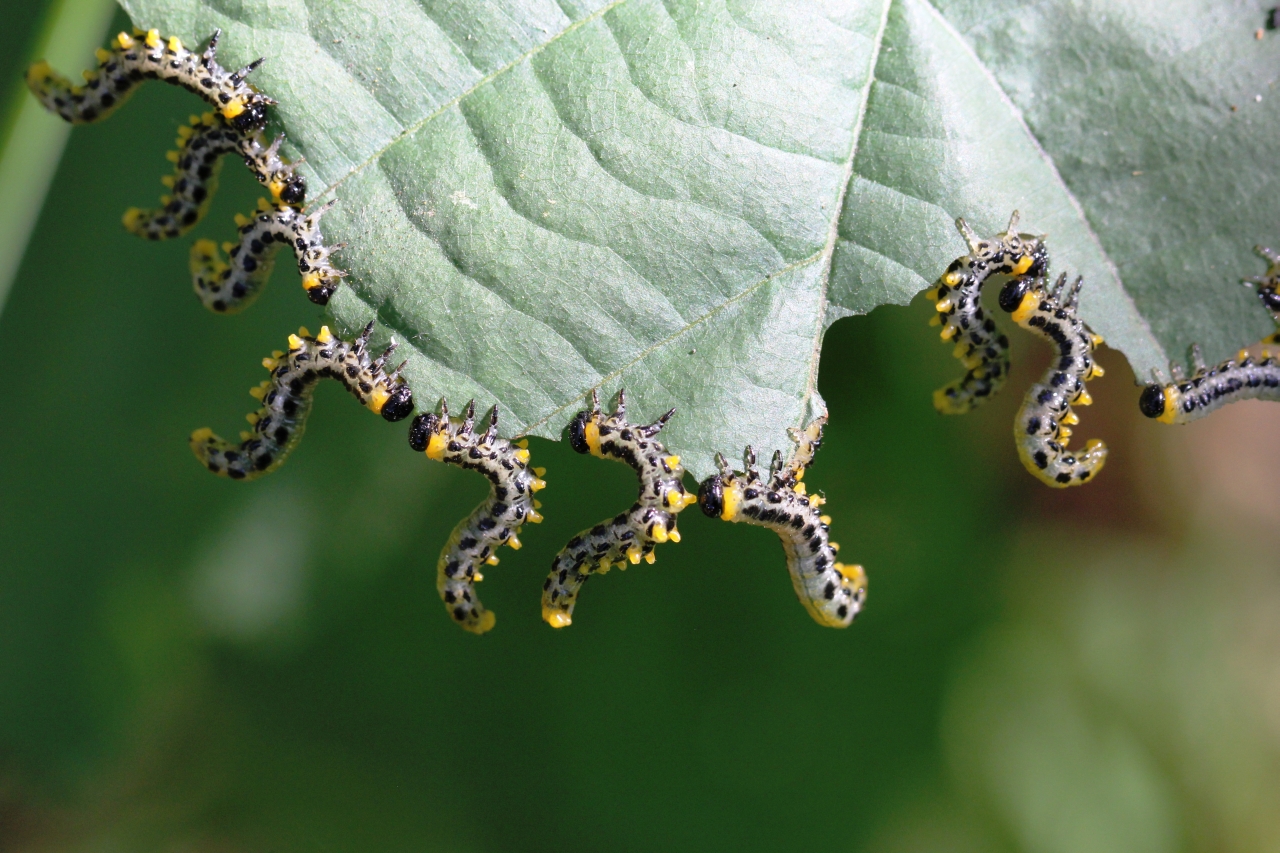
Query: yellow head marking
{"type": "Point", "coordinates": [436, 446]}
{"type": "Point", "coordinates": [1022, 266]}
{"type": "Point", "coordinates": [1026, 307]}
{"type": "Point", "coordinates": [1170, 412]}
{"type": "Point", "coordinates": [732, 500]}
{"type": "Point", "coordinates": [233, 108]}
{"type": "Point", "coordinates": [591, 434]}
{"type": "Point", "coordinates": [378, 398]}
{"type": "Point", "coordinates": [310, 281]}
{"type": "Point", "coordinates": [276, 187]}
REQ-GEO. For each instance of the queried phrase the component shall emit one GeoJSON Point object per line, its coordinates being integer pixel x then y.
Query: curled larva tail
{"type": "Point", "coordinates": [979, 344]}
{"type": "Point", "coordinates": [131, 60]}
{"type": "Point", "coordinates": [833, 593]}
{"type": "Point", "coordinates": [197, 160]}
{"type": "Point", "coordinates": [631, 536]}
{"type": "Point", "coordinates": [287, 395]}
{"type": "Point", "coordinates": [231, 284]}
{"type": "Point", "coordinates": [1043, 425]}
{"type": "Point", "coordinates": [496, 521]}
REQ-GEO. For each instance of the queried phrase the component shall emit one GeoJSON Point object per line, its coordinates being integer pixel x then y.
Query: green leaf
{"type": "Point", "coordinates": [679, 198]}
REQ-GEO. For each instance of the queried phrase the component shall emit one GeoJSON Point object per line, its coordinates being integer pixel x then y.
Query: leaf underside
{"type": "Point", "coordinates": [541, 198]}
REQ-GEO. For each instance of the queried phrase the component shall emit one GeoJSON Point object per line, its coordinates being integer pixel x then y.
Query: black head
{"type": "Point", "coordinates": [399, 404]}
{"type": "Point", "coordinates": [711, 496]}
{"type": "Point", "coordinates": [1270, 296]}
{"type": "Point", "coordinates": [294, 191]}
{"type": "Point", "coordinates": [421, 429]}
{"type": "Point", "coordinates": [1011, 294]}
{"type": "Point", "coordinates": [578, 432]}
{"type": "Point", "coordinates": [321, 293]}
{"type": "Point", "coordinates": [252, 117]}
{"type": "Point", "coordinates": [1152, 401]}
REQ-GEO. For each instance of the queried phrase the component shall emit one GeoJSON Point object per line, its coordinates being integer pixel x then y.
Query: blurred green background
{"type": "Point", "coordinates": [192, 664]}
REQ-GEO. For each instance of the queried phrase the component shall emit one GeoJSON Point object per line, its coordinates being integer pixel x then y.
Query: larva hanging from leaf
{"type": "Point", "coordinates": [229, 285]}
{"type": "Point", "coordinates": [1043, 424]}
{"type": "Point", "coordinates": [1241, 378]}
{"type": "Point", "coordinates": [496, 521]}
{"type": "Point", "coordinates": [979, 344]}
{"type": "Point", "coordinates": [287, 397]}
{"type": "Point", "coordinates": [833, 593]}
{"type": "Point", "coordinates": [132, 60]}
{"type": "Point", "coordinates": [631, 536]}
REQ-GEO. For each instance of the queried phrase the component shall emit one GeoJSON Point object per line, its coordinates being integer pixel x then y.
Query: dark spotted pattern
{"type": "Point", "coordinates": [1211, 388]}
{"type": "Point", "coordinates": [631, 536]}
{"type": "Point", "coordinates": [831, 591]}
{"type": "Point", "coordinates": [979, 344]}
{"type": "Point", "coordinates": [495, 522]}
{"type": "Point", "coordinates": [1043, 424]}
{"type": "Point", "coordinates": [224, 286]}
{"type": "Point", "coordinates": [287, 396]}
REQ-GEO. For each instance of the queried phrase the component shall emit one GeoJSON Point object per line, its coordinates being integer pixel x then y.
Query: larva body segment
{"type": "Point", "coordinates": [197, 160]}
{"type": "Point", "coordinates": [287, 397]}
{"type": "Point", "coordinates": [833, 593]}
{"type": "Point", "coordinates": [979, 344]}
{"type": "Point", "coordinates": [232, 284]}
{"type": "Point", "coordinates": [1210, 388]}
{"type": "Point", "coordinates": [132, 60]}
{"type": "Point", "coordinates": [495, 522]}
{"type": "Point", "coordinates": [631, 536]}
{"type": "Point", "coordinates": [1043, 424]}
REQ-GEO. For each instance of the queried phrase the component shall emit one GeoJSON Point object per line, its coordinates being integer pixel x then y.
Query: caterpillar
{"type": "Point", "coordinates": [833, 593]}
{"type": "Point", "coordinates": [1241, 378]}
{"type": "Point", "coordinates": [632, 535]}
{"type": "Point", "coordinates": [979, 345]}
{"type": "Point", "coordinates": [1043, 424]}
{"type": "Point", "coordinates": [496, 521]}
{"type": "Point", "coordinates": [286, 399]}
{"type": "Point", "coordinates": [224, 286]}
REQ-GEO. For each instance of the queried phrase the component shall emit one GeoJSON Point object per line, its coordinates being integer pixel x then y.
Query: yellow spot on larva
{"type": "Point", "coordinates": [537, 504]}
{"type": "Point", "coordinates": [124, 41]}
{"type": "Point", "coordinates": [944, 305]}
{"type": "Point", "coordinates": [1022, 265]}
{"type": "Point", "coordinates": [242, 220]}
{"type": "Point", "coordinates": [227, 246]}
{"type": "Point", "coordinates": [270, 363]}
{"type": "Point", "coordinates": [325, 335]}
{"type": "Point", "coordinates": [825, 519]}
{"type": "Point", "coordinates": [304, 331]}
{"type": "Point", "coordinates": [275, 353]}
{"type": "Point", "coordinates": [245, 435]}
{"type": "Point", "coordinates": [523, 443]}
{"type": "Point", "coordinates": [650, 557]}
{"type": "Point", "coordinates": [252, 418]}
{"type": "Point", "coordinates": [1096, 371]}
{"type": "Point", "coordinates": [674, 535]}
{"type": "Point", "coordinates": [257, 392]}
{"type": "Point", "coordinates": [491, 560]}
{"type": "Point", "coordinates": [153, 38]}
{"type": "Point", "coordinates": [673, 461]}
{"type": "Point", "coordinates": [816, 500]}
{"type": "Point", "coordinates": [591, 434]}
{"type": "Point", "coordinates": [477, 577]}
{"type": "Point", "coordinates": [799, 488]}
{"type": "Point", "coordinates": [1071, 418]}
{"type": "Point", "coordinates": [935, 320]}
{"type": "Point", "coordinates": [89, 75]}
{"type": "Point", "coordinates": [533, 516]}
{"type": "Point", "coordinates": [1170, 412]}
{"type": "Point", "coordinates": [953, 278]}
{"type": "Point", "coordinates": [633, 555]}
{"type": "Point", "coordinates": [522, 455]}
{"type": "Point", "coordinates": [556, 618]}
{"type": "Point", "coordinates": [1026, 307]}
{"type": "Point", "coordinates": [537, 485]}
{"type": "Point", "coordinates": [167, 180]}
{"type": "Point", "coordinates": [948, 333]}
{"type": "Point", "coordinates": [732, 500]}
{"type": "Point", "coordinates": [276, 187]}
{"type": "Point", "coordinates": [378, 398]}
{"type": "Point", "coordinates": [515, 543]}
{"type": "Point", "coordinates": [171, 156]}
{"type": "Point", "coordinates": [102, 54]}
{"type": "Point", "coordinates": [835, 546]}
{"type": "Point", "coordinates": [541, 472]}
{"type": "Point", "coordinates": [1084, 399]}
{"type": "Point", "coordinates": [295, 343]}
{"type": "Point", "coordinates": [264, 205]}
{"type": "Point", "coordinates": [436, 446]}
{"type": "Point", "coordinates": [175, 44]}
{"type": "Point", "coordinates": [1242, 355]}
{"type": "Point", "coordinates": [1064, 433]}
{"type": "Point", "coordinates": [1097, 340]}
